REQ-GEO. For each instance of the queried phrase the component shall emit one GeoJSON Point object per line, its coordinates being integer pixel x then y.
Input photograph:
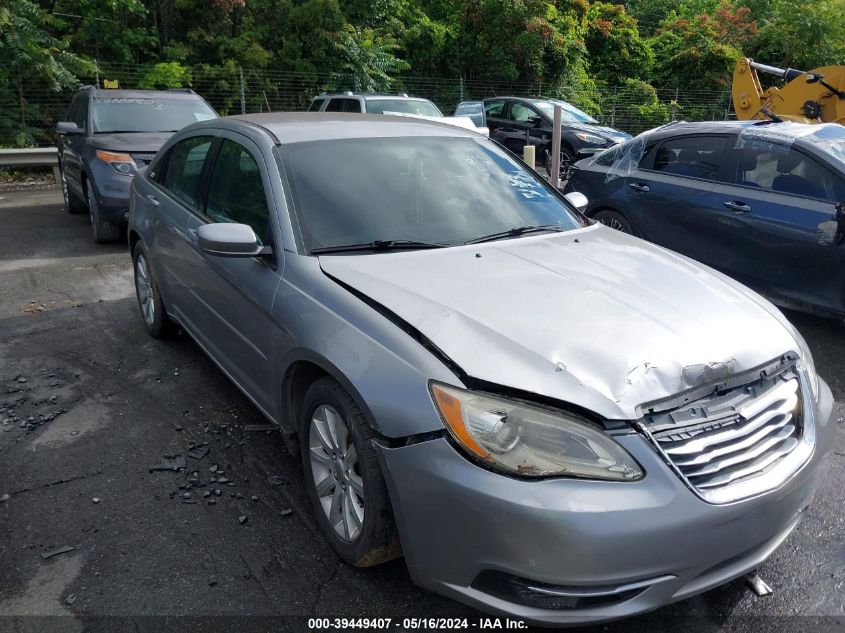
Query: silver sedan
{"type": "Point", "coordinates": [548, 418]}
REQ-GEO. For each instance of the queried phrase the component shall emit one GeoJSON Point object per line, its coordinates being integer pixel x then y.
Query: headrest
{"type": "Point", "coordinates": [748, 160]}
{"type": "Point", "coordinates": [788, 161]}
{"type": "Point", "coordinates": [688, 156]}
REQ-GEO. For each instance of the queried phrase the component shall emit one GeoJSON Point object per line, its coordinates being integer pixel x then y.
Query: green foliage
{"type": "Point", "coordinates": [32, 57]}
{"type": "Point", "coordinates": [640, 103]}
{"type": "Point", "coordinates": [368, 58]}
{"type": "Point", "coordinates": [165, 75]}
{"type": "Point", "coordinates": [803, 35]}
{"type": "Point", "coordinates": [616, 50]}
{"type": "Point", "coordinates": [692, 54]}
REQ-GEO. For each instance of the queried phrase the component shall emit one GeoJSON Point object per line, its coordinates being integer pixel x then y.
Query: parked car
{"type": "Point", "coordinates": [519, 121]}
{"type": "Point", "coordinates": [393, 104]}
{"type": "Point", "coordinates": [556, 420]}
{"type": "Point", "coordinates": [107, 135]}
{"type": "Point", "coordinates": [747, 198]}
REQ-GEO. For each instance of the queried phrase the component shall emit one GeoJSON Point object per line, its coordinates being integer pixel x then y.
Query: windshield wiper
{"type": "Point", "coordinates": [377, 245]}
{"type": "Point", "coordinates": [515, 232]}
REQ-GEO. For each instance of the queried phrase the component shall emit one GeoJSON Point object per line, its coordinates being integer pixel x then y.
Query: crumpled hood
{"type": "Point", "coordinates": [145, 142]}
{"type": "Point", "coordinates": [592, 317]}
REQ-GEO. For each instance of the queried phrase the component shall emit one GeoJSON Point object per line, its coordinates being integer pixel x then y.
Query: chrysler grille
{"type": "Point", "coordinates": [726, 439]}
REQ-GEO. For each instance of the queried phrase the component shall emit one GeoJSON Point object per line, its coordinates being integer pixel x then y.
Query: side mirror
{"type": "Point", "coordinates": [230, 240]}
{"type": "Point", "coordinates": [577, 200]}
{"type": "Point", "coordinates": [535, 121]}
{"type": "Point", "coordinates": [68, 127]}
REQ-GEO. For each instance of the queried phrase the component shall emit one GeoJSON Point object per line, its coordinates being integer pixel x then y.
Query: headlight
{"type": "Point", "coordinates": [591, 138]}
{"type": "Point", "coordinates": [530, 441]}
{"type": "Point", "coordinates": [806, 363]}
{"type": "Point", "coordinates": [121, 163]}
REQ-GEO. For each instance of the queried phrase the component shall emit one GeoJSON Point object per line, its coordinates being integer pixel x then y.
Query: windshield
{"type": "Point", "coordinates": [569, 113]}
{"type": "Point", "coordinates": [141, 114]}
{"type": "Point", "coordinates": [403, 106]}
{"type": "Point", "coordinates": [835, 149]}
{"type": "Point", "coordinates": [440, 190]}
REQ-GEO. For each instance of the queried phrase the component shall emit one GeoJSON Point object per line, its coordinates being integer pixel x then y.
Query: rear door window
{"type": "Point", "coordinates": [184, 169]}
{"type": "Point", "coordinates": [786, 170]}
{"type": "Point", "coordinates": [694, 156]}
{"type": "Point", "coordinates": [236, 191]}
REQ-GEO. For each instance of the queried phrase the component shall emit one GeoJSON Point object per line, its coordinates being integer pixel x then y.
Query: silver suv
{"type": "Point", "coordinates": [374, 103]}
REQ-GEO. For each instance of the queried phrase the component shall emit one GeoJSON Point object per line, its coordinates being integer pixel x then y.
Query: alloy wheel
{"type": "Point", "coordinates": [145, 290]}
{"type": "Point", "coordinates": [335, 472]}
{"type": "Point", "coordinates": [613, 223]}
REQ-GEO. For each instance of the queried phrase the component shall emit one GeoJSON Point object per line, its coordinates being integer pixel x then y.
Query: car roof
{"type": "Point", "coordinates": [299, 127]}
{"type": "Point", "coordinates": [369, 95]}
{"type": "Point", "coordinates": [786, 130]}
{"type": "Point", "coordinates": [119, 93]}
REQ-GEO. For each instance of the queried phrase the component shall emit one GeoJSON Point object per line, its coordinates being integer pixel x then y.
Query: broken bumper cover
{"type": "Point", "coordinates": [568, 551]}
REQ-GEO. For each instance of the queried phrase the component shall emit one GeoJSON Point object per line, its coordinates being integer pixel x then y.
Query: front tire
{"type": "Point", "coordinates": [101, 232]}
{"type": "Point", "coordinates": [345, 484]}
{"type": "Point", "coordinates": [153, 314]}
{"type": "Point", "coordinates": [72, 204]}
{"type": "Point", "coordinates": [614, 220]}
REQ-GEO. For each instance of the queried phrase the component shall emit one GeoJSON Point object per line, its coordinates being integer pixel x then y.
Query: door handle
{"type": "Point", "coordinates": [152, 200]}
{"type": "Point", "coordinates": [738, 207]}
{"type": "Point", "coordinates": [639, 187]}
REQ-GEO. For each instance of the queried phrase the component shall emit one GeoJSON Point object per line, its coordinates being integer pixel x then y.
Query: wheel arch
{"type": "Point", "coordinates": [302, 368]}
{"type": "Point", "coordinates": [591, 213]}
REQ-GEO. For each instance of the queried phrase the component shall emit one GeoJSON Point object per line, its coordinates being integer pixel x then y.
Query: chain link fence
{"type": "Point", "coordinates": [29, 113]}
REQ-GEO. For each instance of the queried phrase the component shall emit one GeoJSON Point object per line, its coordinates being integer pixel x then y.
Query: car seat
{"type": "Point", "coordinates": [787, 182]}
{"type": "Point", "coordinates": [747, 162]}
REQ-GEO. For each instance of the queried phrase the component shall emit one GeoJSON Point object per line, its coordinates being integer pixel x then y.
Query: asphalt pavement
{"type": "Point", "coordinates": [97, 534]}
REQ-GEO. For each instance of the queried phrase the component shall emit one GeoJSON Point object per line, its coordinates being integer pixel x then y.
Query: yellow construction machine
{"type": "Point", "coordinates": [816, 96]}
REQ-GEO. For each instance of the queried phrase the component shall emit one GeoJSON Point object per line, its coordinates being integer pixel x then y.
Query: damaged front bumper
{"type": "Point", "coordinates": [569, 551]}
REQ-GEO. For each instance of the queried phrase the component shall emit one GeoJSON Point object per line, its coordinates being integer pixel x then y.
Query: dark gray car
{"type": "Point", "coordinates": [109, 134]}
{"type": "Point", "coordinates": [548, 418]}
{"type": "Point", "coordinates": [760, 201]}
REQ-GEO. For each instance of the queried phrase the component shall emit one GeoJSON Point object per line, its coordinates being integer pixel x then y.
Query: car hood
{"type": "Point", "coordinates": [146, 142]}
{"type": "Point", "coordinates": [609, 133]}
{"type": "Point", "coordinates": [593, 317]}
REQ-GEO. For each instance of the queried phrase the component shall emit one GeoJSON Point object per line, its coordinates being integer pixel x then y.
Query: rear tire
{"type": "Point", "coordinates": [614, 220]}
{"type": "Point", "coordinates": [344, 480]}
{"type": "Point", "coordinates": [101, 232]}
{"type": "Point", "coordinates": [151, 306]}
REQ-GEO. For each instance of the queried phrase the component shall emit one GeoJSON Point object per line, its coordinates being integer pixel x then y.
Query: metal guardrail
{"type": "Point", "coordinates": [32, 157]}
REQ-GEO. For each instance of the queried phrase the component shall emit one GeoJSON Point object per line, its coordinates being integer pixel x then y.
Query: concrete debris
{"type": "Point", "coordinates": [170, 463]}
{"type": "Point", "coordinates": [198, 451]}
{"type": "Point", "coordinates": [242, 519]}
{"type": "Point", "coordinates": [70, 599]}
{"type": "Point", "coordinates": [254, 498]}
{"type": "Point", "coordinates": [55, 552]}
{"type": "Point", "coordinates": [287, 512]}
{"type": "Point", "coordinates": [95, 499]}
{"type": "Point", "coordinates": [4, 498]}
{"type": "Point", "coordinates": [260, 427]}
{"type": "Point", "coordinates": [223, 480]}
{"type": "Point", "coordinates": [213, 468]}
{"type": "Point", "coordinates": [218, 492]}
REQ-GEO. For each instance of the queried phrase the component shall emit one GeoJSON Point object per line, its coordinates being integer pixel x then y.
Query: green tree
{"type": "Point", "coordinates": [165, 75]}
{"type": "Point", "coordinates": [614, 46]}
{"type": "Point", "coordinates": [32, 58]}
{"type": "Point", "coordinates": [803, 35]}
{"type": "Point", "coordinates": [368, 58]}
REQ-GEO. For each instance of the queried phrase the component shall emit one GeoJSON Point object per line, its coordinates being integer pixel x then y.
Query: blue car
{"type": "Point", "coordinates": [763, 202]}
